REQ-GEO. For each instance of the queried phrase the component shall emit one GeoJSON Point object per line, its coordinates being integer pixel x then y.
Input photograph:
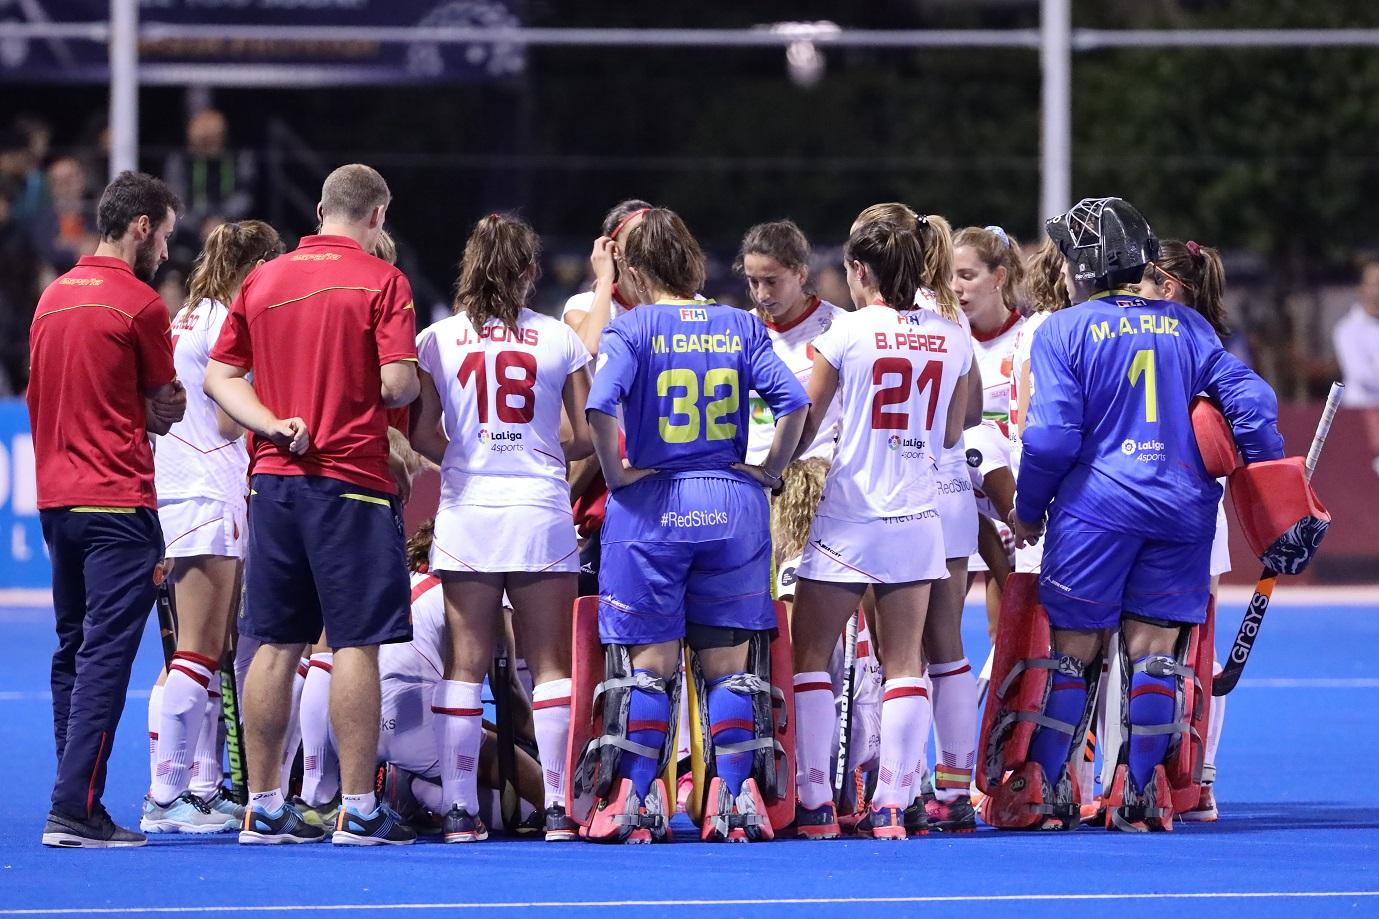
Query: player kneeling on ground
{"type": "Point", "coordinates": [686, 547]}
{"type": "Point", "coordinates": [1110, 443]}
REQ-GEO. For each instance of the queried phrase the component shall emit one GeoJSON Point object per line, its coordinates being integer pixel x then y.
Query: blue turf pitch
{"type": "Point", "coordinates": [1300, 816]}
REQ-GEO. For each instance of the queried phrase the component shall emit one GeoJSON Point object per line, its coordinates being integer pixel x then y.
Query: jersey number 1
{"type": "Point", "coordinates": [1143, 365]}
{"type": "Point", "coordinates": [510, 387]}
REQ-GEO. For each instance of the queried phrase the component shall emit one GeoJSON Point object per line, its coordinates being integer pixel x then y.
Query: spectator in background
{"type": "Point", "coordinates": [211, 179]}
{"type": "Point", "coordinates": [1356, 338]}
{"type": "Point", "coordinates": [73, 212]}
{"type": "Point", "coordinates": [30, 206]}
{"type": "Point", "coordinates": [18, 293]}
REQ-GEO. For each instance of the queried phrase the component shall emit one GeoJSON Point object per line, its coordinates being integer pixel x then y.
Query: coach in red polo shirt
{"type": "Point", "coordinates": [102, 379]}
{"type": "Point", "coordinates": [328, 332]}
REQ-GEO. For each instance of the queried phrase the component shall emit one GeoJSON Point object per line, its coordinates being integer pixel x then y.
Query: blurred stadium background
{"type": "Point", "coordinates": [1249, 125]}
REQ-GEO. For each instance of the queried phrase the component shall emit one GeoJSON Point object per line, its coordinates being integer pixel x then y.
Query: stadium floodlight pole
{"type": "Point", "coordinates": [124, 86]}
{"type": "Point", "coordinates": [1056, 132]}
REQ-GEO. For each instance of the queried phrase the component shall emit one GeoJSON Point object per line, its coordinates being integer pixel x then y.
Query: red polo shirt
{"type": "Point", "coordinates": [314, 326]}
{"type": "Point", "coordinates": [98, 343]}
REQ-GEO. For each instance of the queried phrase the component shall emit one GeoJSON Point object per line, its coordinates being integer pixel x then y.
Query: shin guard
{"type": "Point", "coordinates": [1021, 796]}
{"type": "Point", "coordinates": [770, 682]}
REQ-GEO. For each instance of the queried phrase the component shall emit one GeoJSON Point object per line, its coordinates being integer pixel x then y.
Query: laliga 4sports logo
{"type": "Point", "coordinates": [501, 441]}
{"type": "Point", "coordinates": [1150, 451]}
{"type": "Point", "coordinates": [895, 442]}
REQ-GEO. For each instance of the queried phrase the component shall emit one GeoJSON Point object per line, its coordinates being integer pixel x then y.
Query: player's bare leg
{"type": "Point", "coordinates": [267, 685]}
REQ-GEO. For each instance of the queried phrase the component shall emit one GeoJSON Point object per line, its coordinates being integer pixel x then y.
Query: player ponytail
{"type": "Point", "coordinates": [1045, 284]}
{"type": "Point", "coordinates": [231, 251]}
{"type": "Point", "coordinates": [895, 257]}
{"type": "Point", "coordinates": [661, 249]}
{"type": "Point", "coordinates": [936, 236]}
{"type": "Point", "coordinates": [419, 546]}
{"type": "Point", "coordinates": [997, 249]}
{"type": "Point", "coordinates": [497, 271]}
{"type": "Point", "coordinates": [1200, 274]}
{"type": "Point", "coordinates": [385, 247]}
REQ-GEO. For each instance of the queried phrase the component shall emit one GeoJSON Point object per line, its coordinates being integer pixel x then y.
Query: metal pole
{"type": "Point", "coordinates": [124, 86]}
{"type": "Point", "coordinates": [1056, 64]}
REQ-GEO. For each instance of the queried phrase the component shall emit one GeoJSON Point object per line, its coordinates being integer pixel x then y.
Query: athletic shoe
{"type": "Point", "coordinates": [96, 832]}
{"type": "Point", "coordinates": [186, 814]}
{"type": "Point", "coordinates": [462, 826]}
{"type": "Point", "coordinates": [559, 826]}
{"type": "Point", "coordinates": [1205, 811]}
{"type": "Point", "coordinates": [884, 823]}
{"type": "Point", "coordinates": [956, 816]}
{"type": "Point", "coordinates": [626, 817]}
{"type": "Point", "coordinates": [381, 827]}
{"type": "Point", "coordinates": [221, 804]}
{"type": "Point", "coordinates": [285, 825]}
{"type": "Point", "coordinates": [394, 788]}
{"type": "Point", "coordinates": [735, 819]}
{"type": "Point", "coordinates": [322, 816]}
{"type": "Point", "coordinates": [817, 822]}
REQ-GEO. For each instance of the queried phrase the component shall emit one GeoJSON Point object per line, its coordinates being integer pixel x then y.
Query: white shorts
{"type": "Point", "coordinates": [471, 538]}
{"type": "Point", "coordinates": [957, 510]}
{"type": "Point", "coordinates": [1028, 559]}
{"type": "Point", "coordinates": [889, 550]}
{"type": "Point", "coordinates": [1221, 542]}
{"type": "Point", "coordinates": [406, 736]}
{"type": "Point", "coordinates": [202, 526]}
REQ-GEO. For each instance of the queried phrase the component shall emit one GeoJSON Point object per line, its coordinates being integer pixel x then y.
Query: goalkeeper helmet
{"type": "Point", "coordinates": [1104, 240]}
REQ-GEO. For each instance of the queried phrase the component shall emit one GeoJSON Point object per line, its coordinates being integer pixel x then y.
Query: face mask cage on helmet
{"type": "Point", "coordinates": [1104, 238]}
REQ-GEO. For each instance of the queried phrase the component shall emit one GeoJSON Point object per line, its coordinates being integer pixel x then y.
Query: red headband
{"type": "Point", "coordinates": [626, 220]}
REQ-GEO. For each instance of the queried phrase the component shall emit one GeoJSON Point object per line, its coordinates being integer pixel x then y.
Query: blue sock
{"type": "Point", "coordinates": [1152, 700]}
{"type": "Point", "coordinates": [648, 723]}
{"type": "Point", "coordinates": [1067, 701]}
{"type": "Point", "coordinates": [731, 720]}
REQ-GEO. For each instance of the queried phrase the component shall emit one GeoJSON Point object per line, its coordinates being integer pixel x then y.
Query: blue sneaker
{"type": "Point", "coordinates": [190, 814]}
{"type": "Point", "coordinates": [285, 825]}
{"type": "Point", "coordinates": [382, 827]}
{"type": "Point", "coordinates": [221, 804]}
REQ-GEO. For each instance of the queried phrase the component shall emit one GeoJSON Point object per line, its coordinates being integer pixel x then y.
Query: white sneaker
{"type": "Point", "coordinates": [188, 814]}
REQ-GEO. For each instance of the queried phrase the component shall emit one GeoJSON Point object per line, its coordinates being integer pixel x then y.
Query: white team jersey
{"type": "Point", "coordinates": [793, 344]}
{"type": "Point", "coordinates": [947, 460]}
{"type": "Point", "coordinates": [896, 375]}
{"type": "Point", "coordinates": [585, 301]}
{"type": "Point", "coordinates": [1024, 342]}
{"type": "Point", "coordinates": [501, 398]}
{"type": "Point", "coordinates": [192, 460]}
{"type": "Point", "coordinates": [994, 354]}
{"type": "Point", "coordinates": [420, 660]}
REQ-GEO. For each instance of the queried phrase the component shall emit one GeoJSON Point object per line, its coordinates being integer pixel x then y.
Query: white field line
{"type": "Point", "coordinates": [773, 901]}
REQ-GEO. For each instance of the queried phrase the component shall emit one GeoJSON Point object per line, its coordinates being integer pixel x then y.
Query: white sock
{"type": "Point", "coordinates": [551, 717]}
{"type": "Point", "coordinates": [155, 719]}
{"type": "Point", "coordinates": [459, 732]}
{"type": "Point", "coordinates": [1218, 721]}
{"type": "Point", "coordinates": [366, 803]}
{"type": "Point", "coordinates": [429, 794]}
{"type": "Point", "coordinates": [293, 740]}
{"type": "Point", "coordinates": [207, 767]}
{"type": "Point", "coordinates": [179, 728]}
{"type": "Point", "coordinates": [270, 801]}
{"type": "Point", "coordinates": [905, 716]}
{"type": "Point", "coordinates": [816, 734]}
{"type": "Point", "coordinates": [320, 767]}
{"type": "Point", "coordinates": [955, 724]}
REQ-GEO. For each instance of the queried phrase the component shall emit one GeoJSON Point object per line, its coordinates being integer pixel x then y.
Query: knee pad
{"type": "Point", "coordinates": [769, 681]}
{"type": "Point", "coordinates": [1191, 666]}
{"type": "Point", "coordinates": [1021, 679]}
{"type": "Point", "coordinates": [601, 684]}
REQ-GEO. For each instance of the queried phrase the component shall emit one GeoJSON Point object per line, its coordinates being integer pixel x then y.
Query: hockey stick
{"type": "Point", "coordinates": [500, 681]}
{"type": "Point", "coordinates": [840, 770]}
{"type": "Point", "coordinates": [1264, 590]}
{"type": "Point", "coordinates": [167, 614]}
{"type": "Point", "coordinates": [237, 772]}
{"type": "Point", "coordinates": [984, 681]}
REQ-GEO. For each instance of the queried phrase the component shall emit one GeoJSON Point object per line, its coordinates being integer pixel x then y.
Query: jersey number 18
{"type": "Point", "coordinates": [519, 387]}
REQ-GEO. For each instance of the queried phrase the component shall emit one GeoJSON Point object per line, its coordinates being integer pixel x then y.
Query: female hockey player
{"type": "Point", "coordinates": [988, 271]}
{"type": "Point", "coordinates": [686, 544]}
{"type": "Point", "coordinates": [896, 369]}
{"type": "Point", "coordinates": [1192, 274]}
{"type": "Point", "coordinates": [201, 470]}
{"type": "Point", "coordinates": [1109, 444]}
{"type": "Point", "coordinates": [495, 377]}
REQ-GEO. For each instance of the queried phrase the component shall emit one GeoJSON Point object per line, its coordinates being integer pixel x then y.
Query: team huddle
{"type": "Point", "coordinates": [700, 557]}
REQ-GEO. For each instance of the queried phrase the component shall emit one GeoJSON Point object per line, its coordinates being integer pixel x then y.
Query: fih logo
{"type": "Point", "coordinates": [694, 315]}
{"type": "Point", "coordinates": [1128, 447]}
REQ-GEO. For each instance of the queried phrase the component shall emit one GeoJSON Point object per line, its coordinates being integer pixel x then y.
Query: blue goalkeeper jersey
{"type": "Point", "coordinates": [1109, 434]}
{"type": "Point", "coordinates": [682, 371]}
